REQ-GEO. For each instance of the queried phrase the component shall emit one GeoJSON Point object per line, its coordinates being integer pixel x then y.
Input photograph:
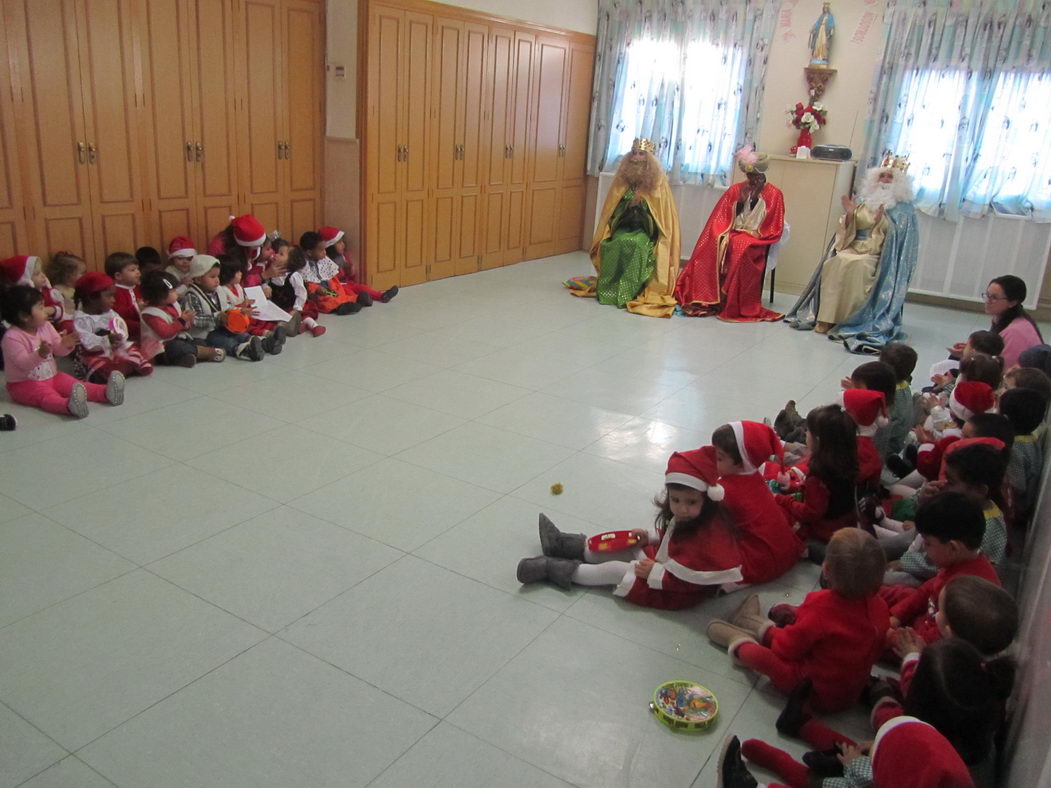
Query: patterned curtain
{"type": "Point", "coordinates": [687, 74]}
{"type": "Point", "coordinates": [965, 89]}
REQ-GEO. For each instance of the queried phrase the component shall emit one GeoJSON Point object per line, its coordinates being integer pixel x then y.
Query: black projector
{"type": "Point", "coordinates": [831, 152]}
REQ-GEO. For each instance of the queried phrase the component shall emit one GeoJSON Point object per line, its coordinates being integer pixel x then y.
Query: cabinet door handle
{"type": "Point", "coordinates": [288, 149]}
{"type": "Point", "coordinates": [91, 153]}
{"type": "Point", "coordinates": [280, 149]}
{"type": "Point", "coordinates": [82, 150]}
{"type": "Point", "coordinates": [405, 152]}
{"type": "Point", "coordinates": [199, 151]}
{"type": "Point", "coordinates": [189, 151]}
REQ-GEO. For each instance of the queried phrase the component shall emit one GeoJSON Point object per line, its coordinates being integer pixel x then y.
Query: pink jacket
{"type": "Point", "coordinates": [1018, 336]}
{"type": "Point", "coordinates": [21, 360]}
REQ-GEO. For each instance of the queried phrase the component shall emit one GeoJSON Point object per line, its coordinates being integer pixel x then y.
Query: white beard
{"type": "Point", "coordinates": [879, 194]}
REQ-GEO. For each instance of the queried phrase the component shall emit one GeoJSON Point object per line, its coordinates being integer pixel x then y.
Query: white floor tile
{"type": "Point", "coordinates": [646, 443]}
{"type": "Point", "coordinates": [70, 772]}
{"type": "Point", "coordinates": [283, 396]}
{"type": "Point", "coordinates": [84, 666]}
{"type": "Point", "coordinates": [571, 424]}
{"type": "Point", "coordinates": [372, 370]}
{"type": "Point", "coordinates": [24, 750]}
{"type": "Point", "coordinates": [276, 567]}
{"type": "Point", "coordinates": [375, 631]}
{"type": "Point", "coordinates": [457, 393]}
{"type": "Point", "coordinates": [272, 717]}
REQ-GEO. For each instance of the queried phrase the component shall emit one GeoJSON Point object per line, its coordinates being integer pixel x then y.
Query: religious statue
{"type": "Point", "coordinates": [636, 246]}
{"type": "Point", "coordinates": [857, 294]}
{"type": "Point", "coordinates": [724, 276]}
{"type": "Point", "coordinates": [821, 37]}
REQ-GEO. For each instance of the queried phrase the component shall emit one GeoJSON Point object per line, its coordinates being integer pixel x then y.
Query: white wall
{"type": "Point", "coordinates": [342, 33]}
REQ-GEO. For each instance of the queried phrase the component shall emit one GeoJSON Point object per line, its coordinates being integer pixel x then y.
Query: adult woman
{"type": "Point", "coordinates": [1003, 301]}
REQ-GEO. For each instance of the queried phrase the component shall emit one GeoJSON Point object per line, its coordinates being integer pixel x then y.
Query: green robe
{"type": "Point", "coordinates": [628, 256]}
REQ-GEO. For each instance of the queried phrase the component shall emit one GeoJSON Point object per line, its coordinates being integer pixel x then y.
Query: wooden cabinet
{"type": "Point", "coordinates": [138, 120]}
{"type": "Point", "coordinates": [469, 161]}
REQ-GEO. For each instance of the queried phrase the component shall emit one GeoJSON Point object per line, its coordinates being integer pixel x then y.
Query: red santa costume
{"type": "Point", "coordinates": [126, 304]}
{"type": "Point", "coordinates": [869, 411]}
{"type": "Point", "coordinates": [769, 547]}
{"type": "Point", "coordinates": [180, 246]}
{"type": "Point", "coordinates": [20, 269]}
{"type": "Point", "coordinates": [834, 641]}
{"type": "Point", "coordinates": [967, 398]}
{"type": "Point", "coordinates": [725, 273]}
{"type": "Point", "coordinates": [690, 564]}
{"type": "Point", "coordinates": [105, 345]}
{"type": "Point", "coordinates": [332, 236]}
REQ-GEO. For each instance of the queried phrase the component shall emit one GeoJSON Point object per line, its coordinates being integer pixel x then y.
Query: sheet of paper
{"type": "Point", "coordinates": [944, 367]}
{"type": "Point", "coordinates": [264, 309]}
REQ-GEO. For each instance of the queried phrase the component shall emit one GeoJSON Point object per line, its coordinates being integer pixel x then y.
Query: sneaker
{"type": "Point", "coordinates": [7, 423]}
{"type": "Point", "coordinates": [251, 350]}
{"type": "Point", "coordinates": [364, 299]}
{"type": "Point", "coordinates": [115, 389]}
{"type": "Point", "coordinates": [275, 342]}
{"type": "Point", "coordinates": [78, 401]}
{"type": "Point", "coordinates": [389, 294]}
{"type": "Point", "coordinates": [317, 331]}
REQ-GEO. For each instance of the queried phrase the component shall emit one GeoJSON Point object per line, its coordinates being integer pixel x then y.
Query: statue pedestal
{"type": "Point", "coordinates": [817, 78]}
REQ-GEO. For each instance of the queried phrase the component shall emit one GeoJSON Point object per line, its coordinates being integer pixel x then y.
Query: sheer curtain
{"type": "Point", "coordinates": [687, 74]}
{"type": "Point", "coordinates": [965, 89]}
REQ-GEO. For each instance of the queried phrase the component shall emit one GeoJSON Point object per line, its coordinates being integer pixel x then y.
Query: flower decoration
{"type": "Point", "coordinates": [808, 117]}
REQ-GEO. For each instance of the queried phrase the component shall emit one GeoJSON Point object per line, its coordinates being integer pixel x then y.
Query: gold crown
{"type": "Point", "coordinates": [641, 143]}
{"type": "Point", "coordinates": [890, 161]}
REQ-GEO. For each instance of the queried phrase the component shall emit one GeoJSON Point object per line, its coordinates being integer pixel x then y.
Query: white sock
{"type": "Point", "coordinates": [608, 573]}
{"type": "Point", "coordinates": [309, 322]}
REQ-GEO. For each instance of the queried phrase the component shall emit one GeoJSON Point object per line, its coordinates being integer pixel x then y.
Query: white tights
{"type": "Point", "coordinates": [605, 569]}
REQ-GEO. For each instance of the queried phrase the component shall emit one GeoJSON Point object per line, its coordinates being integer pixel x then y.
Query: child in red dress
{"type": "Point", "coordinates": [335, 249]}
{"type": "Point", "coordinates": [868, 409]}
{"type": "Point", "coordinates": [123, 269]}
{"type": "Point", "coordinates": [834, 638]}
{"type": "Point", "coordinates": [689, 554]}
{"type": "Point", "coordinates": [769, 546]}
{"type": "Point", "coordinates": [321, 276]}
{"type": "Point", "coordinates": [105, 343]}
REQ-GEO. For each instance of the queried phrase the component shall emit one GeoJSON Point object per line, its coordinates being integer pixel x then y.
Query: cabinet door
{"type": "Point", "coordinates": [472, 159]}
{"type": "Point", "coordinates": [545, 164]}
{"type": "Point", "coordinates": [261, 121]}
{"type": "Point", "coordinates": [414, 92]}
{"type": "Point", "coordinates": [576, 110]}
{"type": "Point", "coordinates": [446, 126]}
{"type": "Point", "coordinates": [14, 231]}
{"type": "Point", "coordinates": [168, 42]}
{"type": "Point", "coordinates": [304, 66]}
{"type": "Point", "coordinates": [499, 99]}
{"type": "Point", "coordinates": [519, 140]}
{"type": "Point", "coordinates": [51, 123]}
{"type": "Point", "coordinates": [113, 119]}
{"type": "Point", "coordinates": [215, 117]}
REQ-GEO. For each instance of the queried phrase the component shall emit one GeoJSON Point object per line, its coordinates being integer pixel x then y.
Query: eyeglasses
{"type": "Point", "coordinates": [991, 297]}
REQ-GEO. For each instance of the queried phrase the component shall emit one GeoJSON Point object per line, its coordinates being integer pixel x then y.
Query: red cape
{"type": "Point", "coordinates": [738, 297]}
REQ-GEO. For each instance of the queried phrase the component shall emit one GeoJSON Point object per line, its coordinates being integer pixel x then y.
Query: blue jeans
{"type": "Point", "coordinates": [226, 339]}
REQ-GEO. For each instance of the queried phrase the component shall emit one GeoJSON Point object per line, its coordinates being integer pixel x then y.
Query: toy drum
{"type": "Point", "coordinates": [236, 321]}
{"type": "Point", "coordinates": [612, 541]}
{"type": "Point", "coordinates": [685, 706]}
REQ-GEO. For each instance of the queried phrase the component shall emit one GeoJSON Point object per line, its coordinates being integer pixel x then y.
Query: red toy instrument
{"type": "Point", "coordinates": [612, 541]}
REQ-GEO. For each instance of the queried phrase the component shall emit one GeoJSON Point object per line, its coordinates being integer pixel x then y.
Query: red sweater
{"type": "Point", "coordinates": [812, 513]}
{"type": "Point", "coordinates": [916, 607]}
{"type": "Point", "coordinates": [125, 304]}
{"type": "Point", "coordinates": [837, 641]}
{"type": "Point", "coordinates": [769, 547]}
{"type": "Point", "coordinates": [870, 466]}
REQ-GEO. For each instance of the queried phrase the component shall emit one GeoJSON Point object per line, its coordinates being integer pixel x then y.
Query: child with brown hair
{"type": "Point", "coordinates": [1028, 378]}
{"type": "Point", "coordinates": [105, 341]}
{"type": "Point", "coordinates": [165, 335]}
{"type": "Point", "coordinates": [902, 359]}
{"type": "Point", "coordinates": [834, 638]}
{"type": "Point", "coordinates": [1024, 409]}
{"type": "Point", "coordinates": [63, 270]}
{"type": "Point", "coordinates": [123, 269]}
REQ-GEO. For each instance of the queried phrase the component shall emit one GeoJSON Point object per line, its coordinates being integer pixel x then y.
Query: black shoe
{"type": "Point", "coordinates": [824, 763]}
{"type": "Point", "coordinates": [389, 294]}
{"type": "Point", "coordinates": [349, 308]}
{"type": "Point", "coordinates": [815, 551]}
{"type": "Point", "coordinates": [275, 343]}
{"type": "Point", "coordinates": [794, 714]}
{"type": "Point", "coordinates": [898, 466]}
{"type": "Point", "coordinates": [7, 423]}
{"type": "Point", "coordinates": [364, 299]}
{"type": "Point", "coordinates": [732, 770]}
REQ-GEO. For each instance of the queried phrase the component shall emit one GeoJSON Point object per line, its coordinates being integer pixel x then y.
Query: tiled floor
{"type": "Point", "coordinates": [301, 572]}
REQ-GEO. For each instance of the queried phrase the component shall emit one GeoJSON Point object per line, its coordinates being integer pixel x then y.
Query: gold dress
{"type": "Point", "coordinates": [848, 277]}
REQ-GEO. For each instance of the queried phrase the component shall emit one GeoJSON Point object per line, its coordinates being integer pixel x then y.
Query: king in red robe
{"type": "Point", "coordinates": [724, 276]}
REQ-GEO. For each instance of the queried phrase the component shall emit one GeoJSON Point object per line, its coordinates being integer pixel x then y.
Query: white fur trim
{"type": "Point", "coordinates": [878, 705]}
{"type": "Point", "coordinates": [746, 462]}
{"type": "Point", "coordinates": [335, 240]}
{"type": "Point", "coordinates": [686, 481]}
{"type": "Point", "coordinates": [189, 252]}
{"type": "Point", "coordinates": [716, 493]}
{"type": "Point", "coordinates": [656, 576]}
{"type": "Point", "coordinates": [626, 582]}
{"type": "Point", "coordinates": [868, 431]}
{"type": "Point", "coordinates": [890, 725]}
{"type": "Point", "coordinates": [736, 644]}
{"type": "Point", "coordinates": [704, 578]}
{"type": "Point", "coordinates": [257, 242]}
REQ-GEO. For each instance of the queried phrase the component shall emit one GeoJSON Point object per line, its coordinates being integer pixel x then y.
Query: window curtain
{"type": "Point", "coordinates": [687, 74]}
{"type": "Point", "coordinates": [965, 89]}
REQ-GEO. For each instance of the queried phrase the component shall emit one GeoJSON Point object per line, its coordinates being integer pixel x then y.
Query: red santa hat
{"type": "Point", "coordinates": [695, 469]}
{"type": "Point", "coordinates": [248, 231]}
{"type": "Point", "coordinates": [18, 270]}
{"type": "Point", "coordinates": [866, 407]}
{"type": "Point", "coordinates": [909, 753]}
{"type": "Point", "coordinates": [330, 235]}
{"type": "Point", "coordinates": [92, 282]}
{"type": "Point", "coordinates": [181, 246]}
{"type": "Point", "coordinates": [970, 397]}
{"type": "Point", "coordinates": [756, 443]}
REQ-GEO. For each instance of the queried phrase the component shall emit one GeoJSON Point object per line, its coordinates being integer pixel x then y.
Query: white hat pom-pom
{"type": "Point", "coordinates": [716, 493]}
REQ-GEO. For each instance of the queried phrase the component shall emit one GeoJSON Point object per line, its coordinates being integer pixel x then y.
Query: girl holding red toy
{"type": "Point", "coordinates": [690, 553]}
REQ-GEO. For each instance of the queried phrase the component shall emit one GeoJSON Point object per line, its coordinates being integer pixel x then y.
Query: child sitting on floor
{"type": "Point", "coordinates": [902, 359]}
{"type": "Point", "coordinates": [149, 259]}
{"type": "Point", "coordinates": [321, 276]}
{"type": "Point", "coordinates": [335, 249]}
{"type": "Point", "coordinates": [688, 555]}
{"type": "Point", "coordinates": [867, 408]}
{"type": "Point", "coordinates": [105, 344]}
{"type": "Point", "coordinates": [1024, 409]}
{"type": "Point", "coordinates": [828, 491]}
{"type": "Point", "coordinates": [29, 348]}
{"type": "Point", "coordinates": [63, 270]}
{"type": "Point", "coordinates": [234, 297]}
{"type": "Point", "coordinates": [28, 270]}
{"type": "Point", "coordinates": [212, 317]}
{"type": "Point", "coordinates": [289, 291]}
{"type": "Point", "coordinates": [1028, 378]}
{"type": "Point", "coordinates": [165, 336]}
{"type": "Point", "coordinates": [123, 269]}
{"type": "Point", "coordinates": [834, 638]}
{"type": "Point", "coordinates": [180, 252]}
{"type": "Point", "coordinates": [769, 546]}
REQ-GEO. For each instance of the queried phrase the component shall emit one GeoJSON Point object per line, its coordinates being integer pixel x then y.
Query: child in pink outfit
{"type": "Point", "coordinates": [29, 349]}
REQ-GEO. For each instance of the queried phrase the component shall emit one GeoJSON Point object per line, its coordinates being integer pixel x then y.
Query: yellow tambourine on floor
{"type": "Point", "coordinates": [685, 706]}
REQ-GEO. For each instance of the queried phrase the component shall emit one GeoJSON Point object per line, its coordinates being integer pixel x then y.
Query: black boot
{"type": "Point", "coordinates": [556, 570]}
{"type": "Point", "coordinates": [364, 299]}
{"type": "Point", "coordinates": [824, 763]}
{"type": "Point", "coordinates": [794, 714]}
{"type": "Point", "coordinates": [7, 422]}
{"type": "Point", "coordinates": [348, 308]}
{"type": "Point", "coordinates": [559, 545]}
{"type": "Point", "coordinates": [732, 771]}
{"type": "Point", "coordinates": [389, 294]}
